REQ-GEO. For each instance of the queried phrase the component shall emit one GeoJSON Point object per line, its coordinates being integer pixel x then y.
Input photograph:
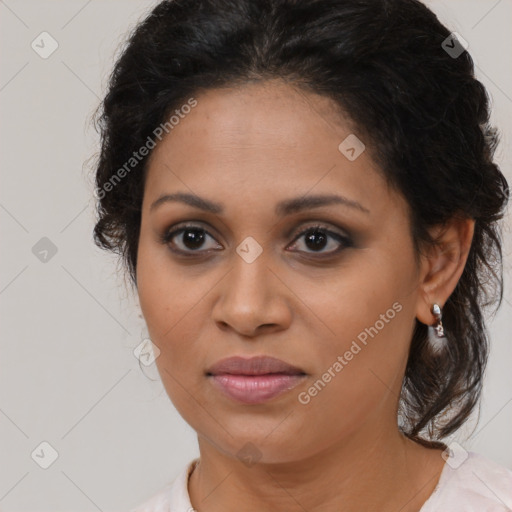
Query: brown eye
{"type": "Point", "coordinates": [317, 238]}
{"type": "Point", "coordinates": [190, 238]}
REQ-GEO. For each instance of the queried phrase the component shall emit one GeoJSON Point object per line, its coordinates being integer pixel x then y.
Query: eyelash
{"type": "Point", "coordinates": [344, 241]}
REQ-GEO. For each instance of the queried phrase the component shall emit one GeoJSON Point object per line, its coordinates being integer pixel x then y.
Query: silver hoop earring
{"type": "Point", "coordinates": [438, 326]}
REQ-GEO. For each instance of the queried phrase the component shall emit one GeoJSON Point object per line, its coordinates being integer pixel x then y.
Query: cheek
{"type": "Point", "coordinates": [164, 292]}
{"type": "Point", "coordinates": [171, 305]}
{"type": "Point", "coordinates": [365, 324]}
{"type": "Point", "coordinates": [360, 373]}
{"type": "Point", "coordinates": [367, 295]}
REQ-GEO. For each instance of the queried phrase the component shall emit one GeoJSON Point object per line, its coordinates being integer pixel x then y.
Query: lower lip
{"type": "Point", "coordinates": [255, 389]}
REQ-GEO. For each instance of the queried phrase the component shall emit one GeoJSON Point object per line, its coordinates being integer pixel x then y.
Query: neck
{"type": "Point", "coordinates": [385, 472]}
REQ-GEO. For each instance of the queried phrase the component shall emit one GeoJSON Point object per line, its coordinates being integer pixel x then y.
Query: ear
{"type": "Point", "coordinates": [442, 265]}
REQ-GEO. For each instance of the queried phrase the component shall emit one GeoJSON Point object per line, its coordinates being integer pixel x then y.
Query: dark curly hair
{"type": "Point", "coordinates": [423, 115]}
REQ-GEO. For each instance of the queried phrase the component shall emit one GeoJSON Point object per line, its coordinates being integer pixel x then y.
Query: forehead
{"type": "Point", "coordinates": [261, 142]}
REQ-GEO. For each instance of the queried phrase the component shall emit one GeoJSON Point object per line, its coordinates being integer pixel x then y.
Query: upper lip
{"type": "Point", "coordinates": [258, 365]}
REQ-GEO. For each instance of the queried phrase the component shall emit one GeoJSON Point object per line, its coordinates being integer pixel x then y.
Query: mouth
{"type": "Point", "coordinates": [255, 380]}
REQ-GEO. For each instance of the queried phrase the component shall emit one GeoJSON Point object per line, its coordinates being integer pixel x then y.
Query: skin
{"type": "Point", "coordinates": [249, 148]}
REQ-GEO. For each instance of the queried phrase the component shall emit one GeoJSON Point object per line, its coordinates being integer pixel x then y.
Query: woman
{"type": "Point", "coordinates": [305, 198]}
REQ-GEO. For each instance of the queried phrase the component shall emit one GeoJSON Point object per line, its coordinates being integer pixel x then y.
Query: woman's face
{"type": "Point", "coordinates": [339, 305]}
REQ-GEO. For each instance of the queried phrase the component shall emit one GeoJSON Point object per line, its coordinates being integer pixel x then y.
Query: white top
{"type": "Point", "coordinates": [476, 485]}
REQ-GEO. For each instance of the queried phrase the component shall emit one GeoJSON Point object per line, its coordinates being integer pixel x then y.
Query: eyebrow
{"type": "Point", "coordinates": [282, 208]}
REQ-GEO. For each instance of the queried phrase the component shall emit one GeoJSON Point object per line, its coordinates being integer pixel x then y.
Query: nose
{"type": "Point", "coordinates": [252, 299]}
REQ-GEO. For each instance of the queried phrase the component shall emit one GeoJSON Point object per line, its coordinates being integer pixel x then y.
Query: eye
{"type": "Point", "coordinates": [317, 238]}
{"type": "Point", "coordinates": [191, 238]}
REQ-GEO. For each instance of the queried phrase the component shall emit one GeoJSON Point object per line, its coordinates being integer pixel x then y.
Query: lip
{"type": "Point", "coordinates": [254, 380]}
{"type": "Point", "coordinates": [255, 389]}
{"type": "Point", "coordinates": [257, 365]}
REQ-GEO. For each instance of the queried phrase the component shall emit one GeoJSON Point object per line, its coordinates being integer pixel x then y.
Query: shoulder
{"type": "Point", "coordinates": [173, 497]}
{"type": "Point", "coordinates": [473, 483]}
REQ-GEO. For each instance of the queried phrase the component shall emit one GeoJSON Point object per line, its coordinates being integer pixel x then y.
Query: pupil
{"type": "Point", "coordinates": [193, 237]}
{"type": "Point", "coordinates": [322, 239]}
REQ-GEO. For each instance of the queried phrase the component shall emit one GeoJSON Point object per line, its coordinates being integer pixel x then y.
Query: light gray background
{"type": "Point", "coordinates": [68, 375]}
